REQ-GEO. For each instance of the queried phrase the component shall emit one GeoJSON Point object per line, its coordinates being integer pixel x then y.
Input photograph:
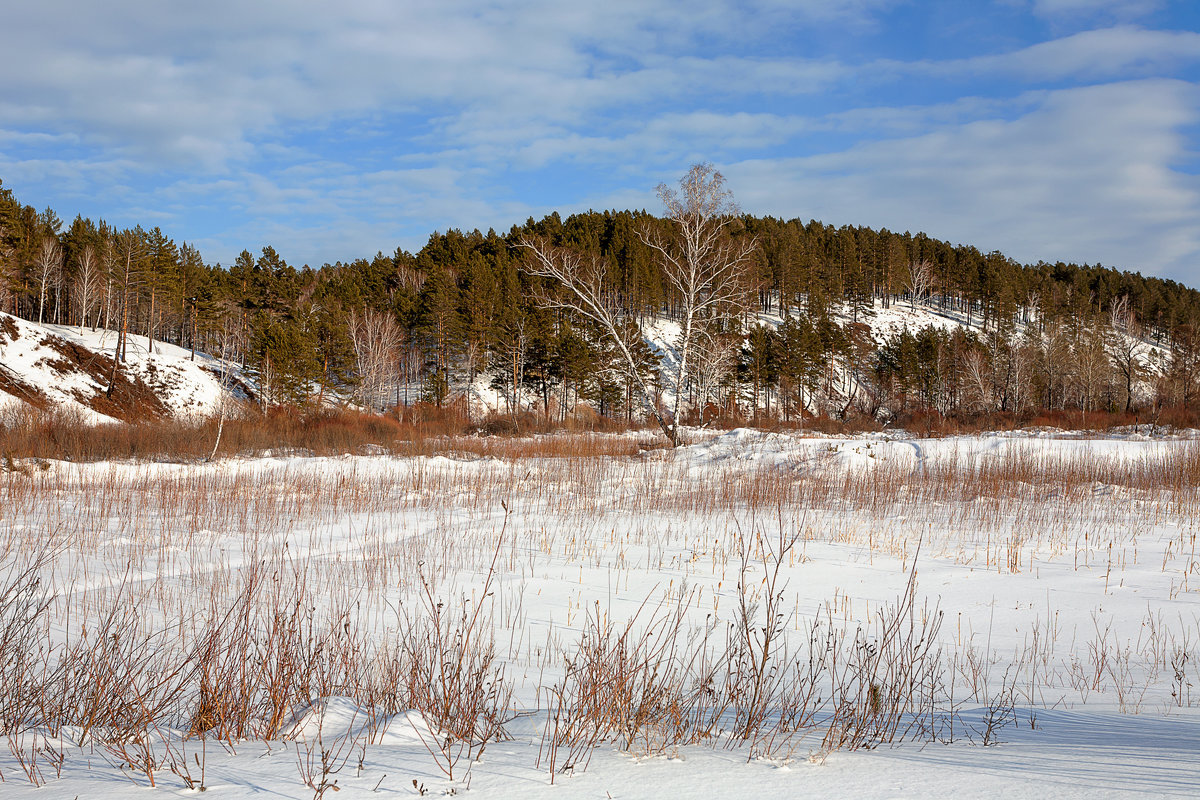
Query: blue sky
{"type": "Point", "coordinates": [1048, 129]}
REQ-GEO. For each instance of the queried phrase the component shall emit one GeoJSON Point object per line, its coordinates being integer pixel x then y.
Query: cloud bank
{"type": "Point", "coordinates": [1056, 130]}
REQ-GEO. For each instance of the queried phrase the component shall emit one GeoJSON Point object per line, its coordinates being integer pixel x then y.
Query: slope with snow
{"type": "Point", "coordinates": [70, 369]}
{"type": "Point", "coordinates": [33, 369]}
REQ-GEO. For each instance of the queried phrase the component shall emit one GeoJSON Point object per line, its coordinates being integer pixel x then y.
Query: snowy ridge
{"type": "Point", "coordinates": [901, 316]}
{"type": "Point", "coordinates": [69, 369]}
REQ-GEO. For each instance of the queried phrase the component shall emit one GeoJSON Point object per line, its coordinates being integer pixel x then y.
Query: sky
{"type": "Point", "coordinates": [1047, 129]}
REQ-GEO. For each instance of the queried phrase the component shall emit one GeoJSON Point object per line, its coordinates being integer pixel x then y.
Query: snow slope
{"type": "Point", "coordinates": [61, 367]}
{"type": "Point", "coordinates": [190, 386]}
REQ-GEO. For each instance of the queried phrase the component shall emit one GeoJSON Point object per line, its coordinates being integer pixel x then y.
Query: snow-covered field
{"type": "Point", "coordinates": [1009, 615]}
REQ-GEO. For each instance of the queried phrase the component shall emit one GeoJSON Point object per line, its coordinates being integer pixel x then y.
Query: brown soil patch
{"type": "Point", "coordinates": [24, 391]}
{"type": "Point", "coordinates": [8, 327]}
{"type": "Point", "coordinates": [130, 400]}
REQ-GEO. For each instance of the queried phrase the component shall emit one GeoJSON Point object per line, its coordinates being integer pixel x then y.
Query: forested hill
{"type": "Point", "coordinates": [463, 307]}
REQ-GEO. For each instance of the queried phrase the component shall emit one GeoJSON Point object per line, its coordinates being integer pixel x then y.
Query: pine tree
{"type": "Point", "coordinates": [441, 327]}
{"type": "Point", "coordinates": [161, 279]}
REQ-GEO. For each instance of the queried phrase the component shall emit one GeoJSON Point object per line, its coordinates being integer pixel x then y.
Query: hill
{"type": "Point", "coordinates": [69, 370]}
{"type": "Point", "coordinates": [846, 322]}
{"type": "Point", "coordinates": [55, 367]}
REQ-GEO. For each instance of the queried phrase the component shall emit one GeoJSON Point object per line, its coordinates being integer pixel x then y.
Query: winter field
{"type": "Point", "coordinates": [752, 615]}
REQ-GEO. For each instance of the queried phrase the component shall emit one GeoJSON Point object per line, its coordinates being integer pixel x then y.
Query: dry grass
{"type": "Point", "coordinates": [421, 430]}
{"type": "Point", "coordinates": [242, 559]}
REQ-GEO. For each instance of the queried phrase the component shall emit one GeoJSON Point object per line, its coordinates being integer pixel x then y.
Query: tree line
{"type": "Point", "coordinates": [787, 334]}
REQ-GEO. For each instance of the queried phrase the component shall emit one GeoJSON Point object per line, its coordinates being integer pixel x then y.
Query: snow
{"type": "Point", "coordinates": [1081, 594]}
{"type": "Point", "coordinates": [888, 321]}
{"type": "Point", "coordinates": [188, 388]}
{"type": "Point", "coordinates": [1072, 756]}
{"type": "Point", "coordinates": [28, 361]}
{"type": "Point", "coordinates": [663, 336]}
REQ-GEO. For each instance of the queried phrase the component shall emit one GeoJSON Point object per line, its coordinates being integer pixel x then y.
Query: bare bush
{"type": "Point", "coordinates": [456, 680]}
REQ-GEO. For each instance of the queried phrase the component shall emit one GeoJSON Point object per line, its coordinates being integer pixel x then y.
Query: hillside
{"type": "Point", "coordinates": [476, 320]}
{"type": "Point", "coordinates": [68, 369]}
{"type": "Point", "coordinates": [62, 368]}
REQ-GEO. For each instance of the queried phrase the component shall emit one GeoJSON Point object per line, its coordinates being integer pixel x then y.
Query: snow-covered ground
{"type": "Point", "coordinates": [1056, 600]}
{"type": "Point", "coordinates": [186, 384]}
{"type": "Point", "coordinates": [68, 368]}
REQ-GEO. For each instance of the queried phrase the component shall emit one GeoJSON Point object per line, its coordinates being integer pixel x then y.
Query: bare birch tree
{"type": "Point", "coordinates": [231, 343]}
{"type": "Point", "coordinates": [128, 250]}
{"type": "Point", "coordinates": [979, 380]}
{"type": "Point", "coordinates": [1090, 368]}
{"type": "Point", "coordinates": [1182, 380]}
{"type": "Point", "coordinates": [1021, 360]}
{"type": "Point", "coordinates": [716, 357]}
{"type": "Point", "coordinates": [376, 338]}
{"type": "Point", "coordinates": [920, 282]}
{"type": "Point", "coordinates": [588, 294]}
{"type": "Point", "coordinates": [88, 285]}
{"type": "Point", "coordinates": [1052, 353]}
{"type": "Point", "coordinates": [1125, 346]}
{"type": "Point", "coordinates": [705, 266]}
{"type": "Point", "coordinates": [513, 348]}
{"type": "Point", "coordinates": [47, 270]}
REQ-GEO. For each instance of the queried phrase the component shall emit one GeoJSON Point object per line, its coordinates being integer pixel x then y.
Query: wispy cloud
{"type": "Point", "coordinates": [1119, 9]}
{"type": "Point", "coordinates": [1123, 51]}
{"type": "Point", "coordinates": [347, 129]}
{"type": "Point", "coordinates": [1072, 180]}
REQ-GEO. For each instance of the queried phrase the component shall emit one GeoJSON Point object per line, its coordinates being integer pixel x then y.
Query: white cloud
{"type": "Point", "coordinates": [376, 119]}
{"type": "Point", "coordinates": [1122, 51]}
{"type": "Point", "coordinates": [1120, 9]}
{"type": "Point", "coordinates": [1085, 176]}
{"type": "Point", "coordinates": [179, 85]}
{"type": "Point", "coordinates": [1119, 52]}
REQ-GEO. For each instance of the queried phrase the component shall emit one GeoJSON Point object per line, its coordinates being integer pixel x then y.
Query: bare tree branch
{"type": "Point", "coordinates": [920, 282]}
{"type": "Point", "coordinates": [88, 284]}
{"type": "Point", "coordinates": [588, 296]}
{"type": "Point", "coordinates": [376, 337]}
{"type": "Point", "coordinates": [48, 268]}
{"type": "Point", "coordinates": [704, 265]}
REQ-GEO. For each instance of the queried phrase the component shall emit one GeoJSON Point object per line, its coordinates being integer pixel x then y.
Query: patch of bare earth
{"type": "Point", "coordinates": [17, 388]}
{"type": "Point", "coordinates": [129, 398]}
{"type": "Point", "coordinates": [8, 327]}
